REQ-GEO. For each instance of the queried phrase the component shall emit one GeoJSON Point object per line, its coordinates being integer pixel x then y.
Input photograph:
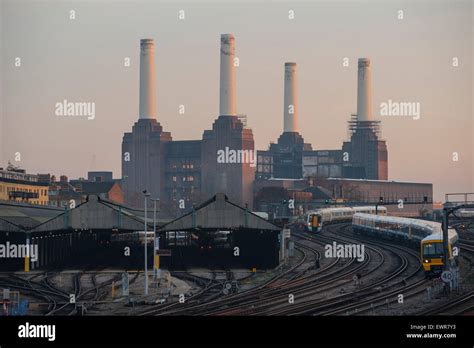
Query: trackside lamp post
{"type": "Point", "coordinates": [155, 270]}
{"type": "Point", "coordinates": [146, 194]}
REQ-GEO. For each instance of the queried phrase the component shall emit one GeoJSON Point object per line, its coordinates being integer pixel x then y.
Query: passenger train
{"type": "Point", "coordinates": [426, 235]}
{"type": "Point", "coordinates": [316, 219]}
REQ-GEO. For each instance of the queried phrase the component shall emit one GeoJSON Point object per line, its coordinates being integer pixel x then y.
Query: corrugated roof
{"type": "Point", "coordinates": [216, 213]}
{"type": "Point", "coordinates": [16, 216]}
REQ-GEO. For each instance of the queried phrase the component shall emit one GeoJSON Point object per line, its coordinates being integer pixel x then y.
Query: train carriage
{"type": "Point", "coordinates": [425, 235]}
{"type": "Point", "coordinates": [315, 220]}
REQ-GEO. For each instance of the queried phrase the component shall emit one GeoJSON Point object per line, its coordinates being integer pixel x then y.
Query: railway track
{"type": "Point", "coordinates": [208, 289]}
{"type": "Point", "coordinates": [341, 303]}
{"type": "Point", "coordinates": [459, 306]}
{"type": "Point", "coordinates": [386, 271]}
{"type": "Point", "coordinates": [411, 289]}
{"type": "Point", "coordinates": [208, 285]}
{"type": "Point", "coordinates": [268, 296]}
{"type": "Point", "coordinates": [259, 308]}
{"type": "Point", "coordinates": [250, 293]}
{"type": "Point", "coordinates": [58, 300]}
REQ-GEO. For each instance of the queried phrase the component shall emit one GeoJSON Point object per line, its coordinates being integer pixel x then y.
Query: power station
{"type": "Point", "coordinates": [186, 173]}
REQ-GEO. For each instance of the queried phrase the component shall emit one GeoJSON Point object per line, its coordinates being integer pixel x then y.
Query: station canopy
{"type": "Point", "coordinates": [219, 213]}
{"type": "Point", "coordinates": [94, 213]}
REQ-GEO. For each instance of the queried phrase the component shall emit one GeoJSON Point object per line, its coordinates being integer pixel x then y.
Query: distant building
{"type": "Point", "coordinates": [100, 176]}
{"type": "Point", "coordinates": [17, 185]}
{"type": "Point", "coordinates": [62, 193]}
{"type": "Point", "coordinates": [109, 190]}
{"type": "Point", "coordinates": [401, 198]}
{"type": "Point", "coordinates": [68, 193]}
{"type": "Point", "coordinates": [393, 192]}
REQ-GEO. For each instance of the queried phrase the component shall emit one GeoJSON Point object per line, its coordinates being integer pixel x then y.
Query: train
{"type": "Point", "coordinates": [315, 220]}
{"type": "Point", "coordinates": [425, 235]}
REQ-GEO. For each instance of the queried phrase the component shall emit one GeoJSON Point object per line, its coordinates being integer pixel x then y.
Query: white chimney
{"type": "Point", "coordinates": [290, 104]}
{"type": "Point", "coordinates": [228, 100]}
{"type": "Point", "coordinates": [147, 79]}
{"type": "Point", "coordinates": [364, 91]}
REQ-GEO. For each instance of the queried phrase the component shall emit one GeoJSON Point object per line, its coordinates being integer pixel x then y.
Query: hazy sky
{"type": "Point", "coordinates": [83, 60]}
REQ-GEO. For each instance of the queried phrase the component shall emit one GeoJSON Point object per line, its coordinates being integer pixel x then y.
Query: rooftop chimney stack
{"type": "Point", "coordinates": [147, 80]}
{"type": "Point", "coordinates": [227, 92]}
{"type": "Point", "coordinates": [290, 121]}
{"type": "Point", "coordinates": [364, 91]}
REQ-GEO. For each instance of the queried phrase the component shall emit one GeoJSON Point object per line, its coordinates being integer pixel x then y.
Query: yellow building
{"type": "Point", "coordinates": [16, 185]}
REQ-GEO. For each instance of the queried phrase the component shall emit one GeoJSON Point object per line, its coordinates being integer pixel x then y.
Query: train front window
{"type": "Point", "coordinates": [433, 249]}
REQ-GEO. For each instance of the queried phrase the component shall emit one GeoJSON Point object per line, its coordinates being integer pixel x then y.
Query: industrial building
{"type": "Point", "coordinates": [417, 198]}
{"type": "Point", "coordinates": [363, 156]}
{"type": "Point", "coordinates": [184, 173]}
{"type": "Point", "coordinates": [273, 195]}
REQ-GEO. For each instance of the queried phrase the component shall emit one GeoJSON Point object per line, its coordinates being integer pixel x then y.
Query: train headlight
{"type": "Point", "coordinates": [426, 261]}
